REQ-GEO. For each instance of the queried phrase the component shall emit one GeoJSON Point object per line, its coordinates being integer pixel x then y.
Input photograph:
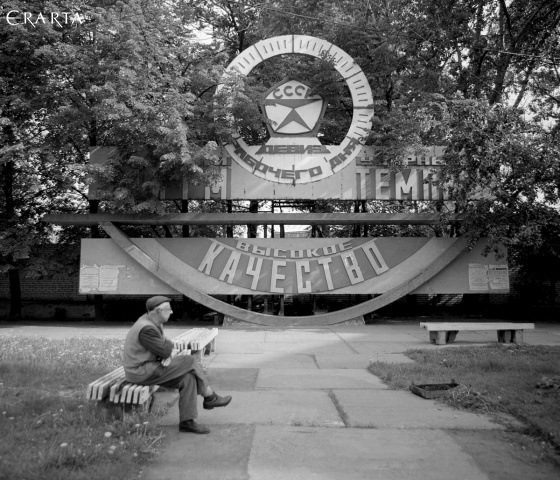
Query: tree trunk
{"type": "Point", "coordinates": [93, 208]}
{"type": "Point", "coordinates": [15, 294]}
{"type": "Point", "coordinates": [8, 175]}
{"type": "Point", "coordinates": [478, 53]}
{"type": "Point", "coordinates": [499, 82]}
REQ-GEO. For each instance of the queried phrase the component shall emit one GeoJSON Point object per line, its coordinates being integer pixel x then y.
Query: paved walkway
{"type": "Point", "coordinates": [305, 407]}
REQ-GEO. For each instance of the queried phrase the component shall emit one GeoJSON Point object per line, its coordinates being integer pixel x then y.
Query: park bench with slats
{"type": "Point", "coordinates": [445, 332]}
{"type": "Point", "coordinates": [116, 389]}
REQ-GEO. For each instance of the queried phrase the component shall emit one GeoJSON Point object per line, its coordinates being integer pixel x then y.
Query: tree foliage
{"type": "Point", "coordinates": [479, 76]}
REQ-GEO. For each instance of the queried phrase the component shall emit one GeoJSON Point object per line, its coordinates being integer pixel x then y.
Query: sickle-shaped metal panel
{"type": "Point", "coordinates": [418, 273]}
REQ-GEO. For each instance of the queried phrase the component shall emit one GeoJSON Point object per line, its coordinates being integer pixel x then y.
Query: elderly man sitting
{"type": "Point", "coordinates": [147, 360]}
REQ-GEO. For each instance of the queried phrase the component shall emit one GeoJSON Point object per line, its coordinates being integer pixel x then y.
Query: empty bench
{"type": "Point", "coordinates": [116, 389]}
{"type": "Point", "coordinates": [442, 333]}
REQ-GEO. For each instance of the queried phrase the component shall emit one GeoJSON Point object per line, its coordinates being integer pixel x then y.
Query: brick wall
{"type": "Point", "coordinates": [59, 288]}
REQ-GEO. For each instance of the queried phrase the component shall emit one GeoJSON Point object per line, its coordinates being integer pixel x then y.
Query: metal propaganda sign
{"type": "Point", "coordinates": [282, 266]}
{"type": "Point", "coordinates": [293, 154]}
{"type": "Point", "coordinates": [293, 163]}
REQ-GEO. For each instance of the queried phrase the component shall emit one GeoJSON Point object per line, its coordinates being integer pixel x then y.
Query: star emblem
{"type": "Point", "coordinates": [294, 115]}
{"type": "Point", "coordinates": [290, 110]}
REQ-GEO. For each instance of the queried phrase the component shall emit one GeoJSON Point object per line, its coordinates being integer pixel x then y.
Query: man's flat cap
{"type": "Point", "coordinates": [153, 302]}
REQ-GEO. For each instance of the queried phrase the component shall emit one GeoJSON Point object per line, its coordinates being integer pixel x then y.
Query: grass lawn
{"type": "Point", "coordinates": [49, 430]}
{"type": "Point", "coordinates": [520, 380]}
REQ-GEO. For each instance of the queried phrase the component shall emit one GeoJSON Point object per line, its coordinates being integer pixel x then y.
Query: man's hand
{"type": "Point", "coordinates": [165, 362]}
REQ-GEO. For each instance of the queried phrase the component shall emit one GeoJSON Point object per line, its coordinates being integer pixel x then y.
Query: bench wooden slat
{"type": "Point", "coordinates": [124, 393]}
{"type": "Point", "coordinates": [204, 338]}
{"type": "Point", "coordinates": [146, 393]}
{"type": "Point", "coordinates": [129, 393]}
{"type": "Point", "coordinates": [136, 394]}
{"type": "Point", "coordinates": [104, 389]}
{"type": "Point", "coordinates": [184, 340]}
{"type": "Point", "coordinates": [143, 394]}
{"type": "Point", "coordinates": [92, 387]}
{"type": "Point", "coordinates": [116, 388]}
{"type": "Point", "coordinates": [133, 394]}
{"type": "Point", "coordinates": [96, 389]}
{"type": "Point", "coordinates": [197, 338]}
{"type": "Point", "coordinates": [97, 392]}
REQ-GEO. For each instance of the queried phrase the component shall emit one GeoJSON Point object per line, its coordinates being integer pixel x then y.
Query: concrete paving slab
{"type": "Point", "coordinates": [343, 360]}
{"type": "Point", "coordinates": [299, 453]}
{"type": "Point", "coordinates": [404, 410]}
{"type": "Point", "coordinates": [264, 360]}
{"type": "Point", "coordinates": [309, 347]}
{"type": "Point", "coordinates": [300, 336]}
{"type": "Point", "coordinates": [359, 360]}
{"type": "Point", "coordinates": [221, 455]}
{"type": "Point", "coordinates": [420, 336]}
{"type": "Point", "coordinates": [375, 337]}
{"type": "Point", "coordinates": [271, 407]}
{"type": "Point", "coordinates": [313, 379]}
{"type": "Point", "coordinates": [237, 335]}
{"type": "Point", "coordinates": [239, 347]}
{"type": "Point", "coordinates": [232, 379]}
{"type": "Point", "coordinates": [379, 347]}
{"type": "Point", "coordinates": [367, 329]}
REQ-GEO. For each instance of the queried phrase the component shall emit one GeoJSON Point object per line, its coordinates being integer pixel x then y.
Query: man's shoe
{"type": "Point", "coordinates": [190, 426]}
{"type": "Point", "coordinates": [215, 401]}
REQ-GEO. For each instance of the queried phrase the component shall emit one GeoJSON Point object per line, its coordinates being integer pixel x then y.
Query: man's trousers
{"type": "Point", "coordinates": [185, 373]}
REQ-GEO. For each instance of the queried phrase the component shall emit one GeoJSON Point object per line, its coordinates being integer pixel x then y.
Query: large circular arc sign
{"type": "Point", "coordinates": [424, 266]}
{"type": "Point", "coordinates": [301, 159]}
